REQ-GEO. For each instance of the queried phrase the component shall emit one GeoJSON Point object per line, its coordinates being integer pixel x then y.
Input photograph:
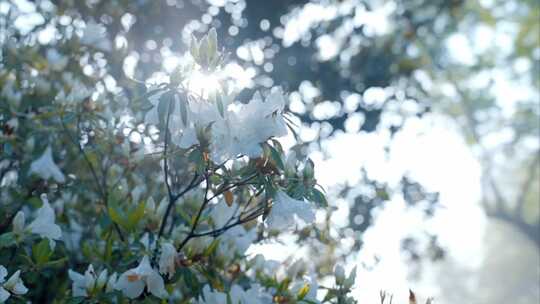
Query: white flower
{"type": "Point", "coordinates": [239, 131]}
{"type": "Point", "coordinates": [313, 286]}
{"type": "Point", "coordinates": [95, 35]}
{"type": "Point", "coordinates": [4, 294]}
{"type": "Point", "coordinates": [14, 284]}
{"type": "Point", "coordinates": [145, 241]}
{"type": "Point", "coordinates": [133, 281]}
{"type": "Point", "coordinates": [247, 126]}
{"type": "Point", "coordinates": [212, 297]}
{"type": "Point", "coordinates": [285, 209]}
{"type": "Point", "coordinates": [167, 259]}
{"type": "Point", "coordinates": [236, 239]}
{"type": "Point", "coordinates": [254, 295]}
{"type": "Point", "coordinates": [56, 60]}
{"type": "Point", "coordinates": [45, 167]}
{"type": "Point", "coordinates": [83, 284]}
{"type": "Point", "coordinates": [44, 223]}
{"type": "Point", "coordinates": [154, 212]}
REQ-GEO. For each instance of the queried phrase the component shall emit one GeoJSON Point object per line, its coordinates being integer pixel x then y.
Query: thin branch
{"type": "Point", "coordinates": [100, 187]}
{"type": "Point", "coordinates": [233, 185]}
{"type": "Point", "coordinates": [239, 221]}
{"type": "Point", "coordinates": [191, 233]}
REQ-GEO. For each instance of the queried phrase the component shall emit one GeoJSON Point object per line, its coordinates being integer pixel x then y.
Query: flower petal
{"type": "Point", "coordinates": [4, 295]}
{"type": "Point", "coordinates": [44, 223]}
{"type": "Point", "coordinates": [131, 289]}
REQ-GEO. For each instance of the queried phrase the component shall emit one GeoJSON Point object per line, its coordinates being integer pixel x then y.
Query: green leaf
{"type": "Point", "coordinates": [7, 240]}
{"type": "Point", "coordinates": [135, 216]}
{"type": "Point", "coordinates": [166, 104]}
{"type": "Point", "coordinates": [76, 300]}
{"type": "Point", "coordinates": [276, 157]}
{"type": "Point", "coordinates": [182, 100]}
{"type": "Point", "coordinates": [194, 48]}
{"type": "Point", "coordinates": [318, 198]}
{"type": "Point", "coordinates": [190, 279]}
{"type": "Point", "coordinates": [212, 248]}
{"type": "Point", "coordinates": [221, 108]}
{"type": "Point", "coordinates": [107, 253]}
{"type": "Point", "coordinates": [56, 263]}
{"type": "Point", "coordinates": [284, 285]}
{"type": "Point", "coordinates": [117, 217]}
{"type": "Point", "coordinates": [41, 252]}
{"type": "Point", "coordinates": [212, 43]}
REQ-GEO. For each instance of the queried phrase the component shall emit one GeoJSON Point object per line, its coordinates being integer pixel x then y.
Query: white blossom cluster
{"type": "Point", "coordinates": [105, 217]}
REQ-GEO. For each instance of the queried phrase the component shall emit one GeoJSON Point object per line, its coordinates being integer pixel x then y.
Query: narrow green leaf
{"type": "Point", "coordinates": [182, 101]}
{"type": "Point", "coordinates": [212, 248]}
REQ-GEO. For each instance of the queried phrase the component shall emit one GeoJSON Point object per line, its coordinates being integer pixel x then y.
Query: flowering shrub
{"type": "Point", "coordinates": [152, 193]}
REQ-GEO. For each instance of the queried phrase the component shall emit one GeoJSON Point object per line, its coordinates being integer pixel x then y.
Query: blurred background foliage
{"type": "Point", "coordinates": [362, 66]}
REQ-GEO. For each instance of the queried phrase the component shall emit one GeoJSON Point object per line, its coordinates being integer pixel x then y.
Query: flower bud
{"type": "Point", "coordinates": [18, 222]}
{"type": "Point", "coordinates": [309, 170]}
{"type": "Point", "coordinates": [111, 283]}
{"type": "Point", "coordinates": [339, 272]}
{"type": "Point", "coordinates": [102, 279]}
{"type": "Point", "coordinates": [150, 206]}
{"type": "Point", "coordinates": [90, 278]}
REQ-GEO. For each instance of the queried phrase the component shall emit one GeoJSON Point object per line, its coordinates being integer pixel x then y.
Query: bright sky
{"type": "Point", "coordinates": [432, 152]}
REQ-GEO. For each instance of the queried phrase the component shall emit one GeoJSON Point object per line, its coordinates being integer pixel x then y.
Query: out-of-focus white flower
{"type": "Point", "coordinates": [13, 123]}
{"type": "Point", "coordinates": [254, 295]}
{"type": "Point", "coordinates": [145, 241]}
{"type": "Point", "coordinates": [11, 92]}
{"type": "Point", "coordinates": [14, 285]}
{"type": "Point", "coordinates": [79, 92]}
{"type": "Point", "coordinates": [211, 296]}
{"type": "Point", "coordinates": [285, 209]}
{"type": "Point", "coordinates": [4, 294]}
{"type": "Point", "coordinates": [82, 284]}
{"type": "Point", "coordinates": [44, 224]}
{"type": "Point", "coordinates": [56, 61]}
{"type": "Point", "coordinates": [133, 281]}
{"type": "Point", "coordinates": [167, 259]}
{"type": "Point", "coordinates": [236, 239]}
{"type": "Point", "coordinates": [95, 35]}
{"type": "Point", "coordinates": [153, 212]}
{"type": "Point", "coordinates": [137, 192]}
{"type": "Point", "coordinates": [45, 167]}
{"type": "Point", "coordinates": [295, 268]}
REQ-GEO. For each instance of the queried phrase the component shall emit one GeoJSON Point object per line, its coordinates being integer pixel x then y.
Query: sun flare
{"type": "Point", "coordinates": [203, 84]}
